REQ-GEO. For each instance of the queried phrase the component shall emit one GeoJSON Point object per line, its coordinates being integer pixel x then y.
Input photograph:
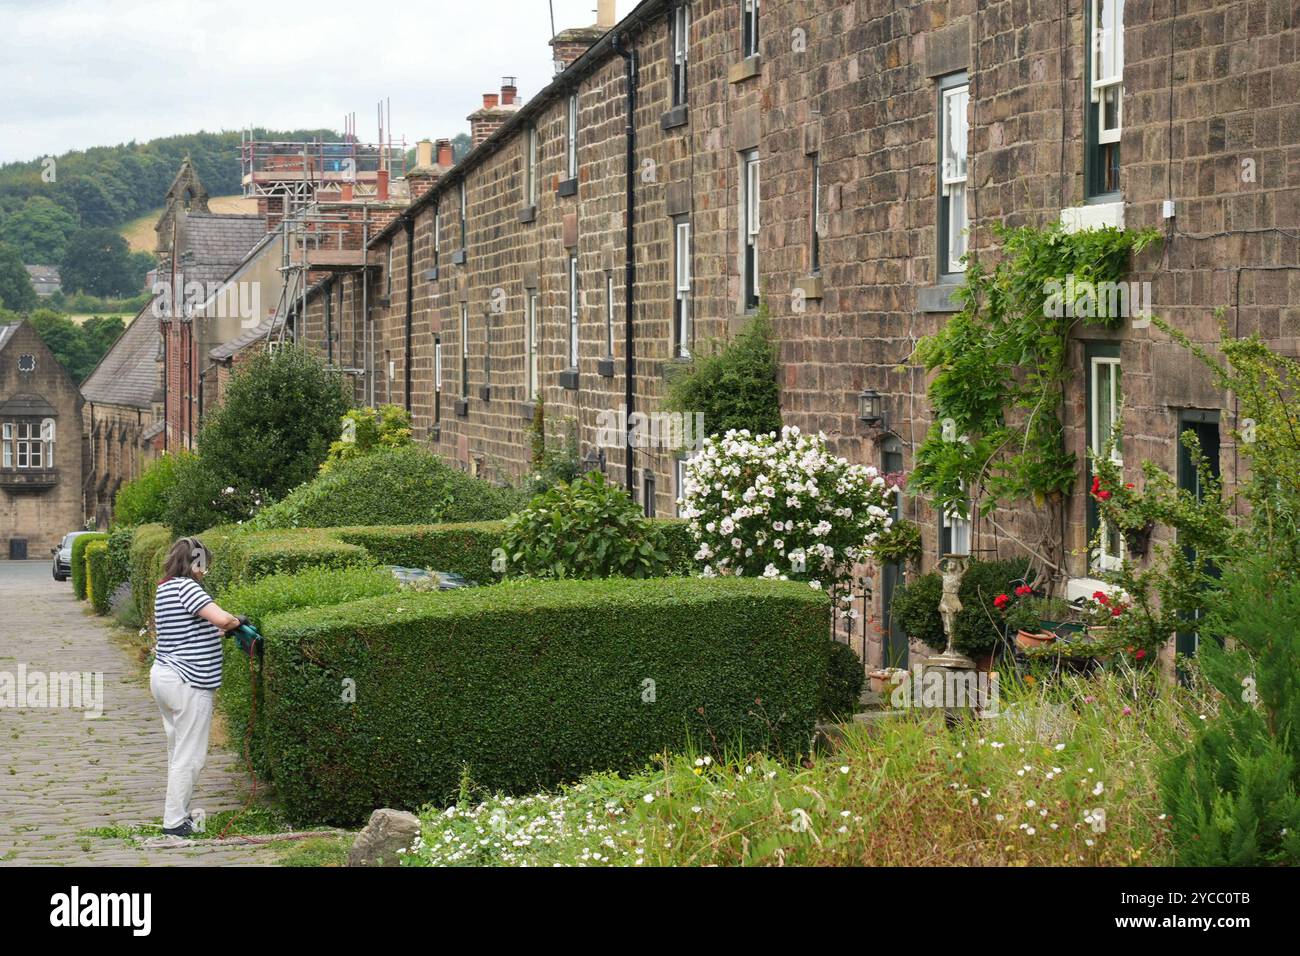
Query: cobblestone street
{"type": "Point", "coordinates": [62, 774]}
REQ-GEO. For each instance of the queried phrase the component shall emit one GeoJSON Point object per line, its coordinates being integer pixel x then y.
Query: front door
{"type": "Point", "coordinates": [1205, 425]}
{"type": "Point", "coordinates": [893, 640]}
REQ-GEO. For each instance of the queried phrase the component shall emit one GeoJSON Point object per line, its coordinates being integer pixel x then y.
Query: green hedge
{"type": "Point", "coordinates": [148, 552]}
{"type": "Point", "coordinates": [530, 684]}
{"type": "Point", "coordinates": [241, 555]}
{"type": "Point", "coordinates": [78, 561]}
{"type": "Point", "coordinates": [316, 587]}
{"type": "Point", "coordinates": [406, 485]}
{"type": "Point", "coordinates": [98, 586]}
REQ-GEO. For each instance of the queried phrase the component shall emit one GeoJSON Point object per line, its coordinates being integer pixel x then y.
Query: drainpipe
{"type": "Point", "coordinates": [410, 300]}
{"type": "Point", "coordinates": [629, 266]}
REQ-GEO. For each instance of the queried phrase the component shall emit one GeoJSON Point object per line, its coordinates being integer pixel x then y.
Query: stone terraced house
{"type": "Point", "coordinates": [832, 162]}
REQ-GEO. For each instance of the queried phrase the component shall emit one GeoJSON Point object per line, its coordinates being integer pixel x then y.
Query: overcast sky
{"type": "Point", "coordinates": [79, 73]}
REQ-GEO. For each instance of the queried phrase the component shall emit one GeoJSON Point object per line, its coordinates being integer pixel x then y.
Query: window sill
{"type": "Point", "coordinates": [435, 433]}
{"type": "Point", "coordinates": [462, 407]}
{"type": "Point", "coordinates": [675, 367]}
{"type": "Point", "coordinates": [528, 214]}
{"type": "Point", "coordinates": [36, 479]}
{"type": "Point", "coordinates": [528, 410]}
{"type": "Point", "coordinates": [605, 367]}
{"type": "Point", "coordinates": [431, 275]}
{"type": "Point", "coordinates": [569, 379]}
{"type": "Point", "coordinates": [675, 117]}
{"type": "Point", "coordinates": [485, 393]}
{"type": "Point", "coordinates": [1076, 588]}
{"type": "Point", "coordinates": [1095, 214]}
{"type": "Point", "coordinates": [746, 69]}
{"type": "Point", "coordinates": [459, 257]}
{"type": "Point", "coordinates": [567, 188]}
{"type": "Point", "coordinates": [939, 298]}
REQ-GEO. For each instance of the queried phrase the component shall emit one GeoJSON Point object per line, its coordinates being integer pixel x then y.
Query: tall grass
{"type": "Point", "coordinates": [1065, 777]}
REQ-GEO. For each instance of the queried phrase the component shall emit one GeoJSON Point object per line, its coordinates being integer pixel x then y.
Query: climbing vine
{"type": "Point", "coordinates": [999, 368]}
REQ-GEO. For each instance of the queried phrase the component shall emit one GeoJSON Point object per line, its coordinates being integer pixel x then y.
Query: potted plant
{"type": "Point", "coordinates": [886, 679]}
{"type": "Point", "coordinates": [1037, 620]}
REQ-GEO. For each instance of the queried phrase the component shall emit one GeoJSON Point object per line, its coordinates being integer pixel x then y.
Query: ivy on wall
{"type": "Point", "coordinates": [999, 368]}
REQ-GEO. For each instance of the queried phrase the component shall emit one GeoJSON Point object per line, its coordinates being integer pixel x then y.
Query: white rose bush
{"type": "Point", "coordinates": [784, 507]}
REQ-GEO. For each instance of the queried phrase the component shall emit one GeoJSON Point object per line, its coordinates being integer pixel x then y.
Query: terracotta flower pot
{"type": "Point", "coordinates": [1028, 640]}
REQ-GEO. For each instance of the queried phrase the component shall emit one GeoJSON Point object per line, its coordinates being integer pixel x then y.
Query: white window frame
{"type": "Point", "coordinates": [750, 207]}
{"type": "Point", "coordinates": [571, 135]}
{"type": "Point", "coordinates": [530, 167]}
{"type": "Point", "coordinates": [959, 531]}
{"type": "Point", "coordinates": [464, 216]}
{"type": "Point", "coordinates": [682, 331]}
{"type": "Point", "coordinates": [573, 311]}
{"type": "Point", "coordinates": [1103, 558]}
{"type": "Point", "coordinates": [609, 314]}
{"type": "Point", "coordinates": [749, 29]}
{"type": "Point", "coordinates": [681, 20]}
{"type": "Point", "coordinates": [1106, 32]}
{"type": "Point", "coordinates": [815, 246]}
{"type": "Point", "coordinates": [530, 346]}
{"type": "Point", "coordinates": [953, 173]}
{"type": "Point", "coordinates": [437, 379]}
{"type": "Point", "coordinates": [464, 350]}
{"type": "Point", "coordinates": [26, 445]}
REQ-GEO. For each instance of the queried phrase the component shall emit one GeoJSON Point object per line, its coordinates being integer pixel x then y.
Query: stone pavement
{"type": "Point", "coordinates": [61, 774]}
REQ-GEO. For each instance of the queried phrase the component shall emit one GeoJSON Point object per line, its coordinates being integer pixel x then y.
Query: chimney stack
{"type": "Point", "coordinates": [568, 45]}
{"type": "Point", "coordinates": [421, 177]}
{"type": "Point", "coordinates": [496, 109]}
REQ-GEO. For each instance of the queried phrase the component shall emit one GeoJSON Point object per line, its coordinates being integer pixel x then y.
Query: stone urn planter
{"type": "Point", "coordinates": [883, 682]}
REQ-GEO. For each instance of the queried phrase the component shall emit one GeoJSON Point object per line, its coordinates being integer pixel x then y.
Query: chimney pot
{"type": "Point", "coordinates": [489, 101]}
{"type": "Point", "coordinates": [509, 90]}
{"type": "Point", "coordinates": [445, 154]}
{"type": "Point", "coordinates": [424, 153]}
{"type": "Point", "coordinates": [605, 15]}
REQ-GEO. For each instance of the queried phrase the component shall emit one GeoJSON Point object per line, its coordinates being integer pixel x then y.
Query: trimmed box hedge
{"type": "Point", "coordinates": [528, 685]}
{"type": "Point", "coordinates": [241, 555]}
{"type": "Point", "coordinates": [78, 561]}
{"type": "Point", "coordinates": [98, 586]}
{"type": "Point", "coordinates": [149, 550]}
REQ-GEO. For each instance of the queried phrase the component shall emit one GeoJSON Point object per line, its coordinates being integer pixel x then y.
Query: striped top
{"type": "Point", "coordinates": [187, 644]}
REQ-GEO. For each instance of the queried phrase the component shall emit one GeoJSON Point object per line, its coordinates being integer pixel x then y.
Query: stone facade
{"type": "Point", "coordinates": [41, 448]}
{"type": "Point", "coordinates": [1211, 122]}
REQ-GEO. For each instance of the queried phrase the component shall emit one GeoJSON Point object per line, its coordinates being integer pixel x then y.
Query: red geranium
{"type": "Point", "coordinates": [1001, 601]}
{"type": "Point", "coordinates": [1024, 589]}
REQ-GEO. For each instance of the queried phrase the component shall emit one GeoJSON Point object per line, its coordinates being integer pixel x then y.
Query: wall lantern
{"type": "Point", "coordinates": [871, 408]}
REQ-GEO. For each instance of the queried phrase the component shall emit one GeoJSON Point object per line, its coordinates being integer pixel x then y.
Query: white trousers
{"type": "Point", "coordinates": [187, 719]}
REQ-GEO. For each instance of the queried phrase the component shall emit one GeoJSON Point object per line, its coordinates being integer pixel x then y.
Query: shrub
{"type": "Point", "coordinates": [366, 430]}
{"type": "Point", "coordinates": [915, 606]}
{"type": "Point", "coordinates": [275, 423]}
{"type": "Point", "coordinates": [784, 507]}
{"type": "Point", "coordinates": [584, 529]}
{"type": "Point", "coordinates": [315, 587]}
{"type": "Point", "coordinates": [735, 387]}
{"type": "Point", "coordinates": [78, 559]}
{"type": "Point", "coordinates": [469, 550]}
{"type": "Point", "coordinates": [1233, 793]}
{"type": "Point", "coordinates": [242, 557]}
{"type": "Point", "coordinates": [199, 498]}
{"type": "Point", "coordinates": [144, 500]}
{"type": "Point", "coordinates": [107, 567]}
{"type": "Point", "coordinates": [530, 684]}
{"type": "Point", "coordinates": [95, 556]}
{"type": "Point", "coordinates": [842, 688]}
{"type": "Point", "coordinates": [148, 551]}
{"type": "Point", "coordinates": [400, 486]}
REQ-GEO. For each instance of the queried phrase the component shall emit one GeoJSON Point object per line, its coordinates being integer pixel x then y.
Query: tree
{"type": "Point", "coordinates": [97, 261]}
{"type": "Point", "coordinates": [16, 290]}
{"type": "Point", "coordinates": [39, 230]}
{"type": "Point", "coordinates": [275, 426]}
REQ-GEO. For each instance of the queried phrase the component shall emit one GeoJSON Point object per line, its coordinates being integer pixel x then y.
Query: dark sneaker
{"type": "Point", "coordinates": [185, 830]}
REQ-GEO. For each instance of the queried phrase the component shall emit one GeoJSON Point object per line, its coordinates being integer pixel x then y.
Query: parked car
{"type": "Point", "coordinates": [63, 555]}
